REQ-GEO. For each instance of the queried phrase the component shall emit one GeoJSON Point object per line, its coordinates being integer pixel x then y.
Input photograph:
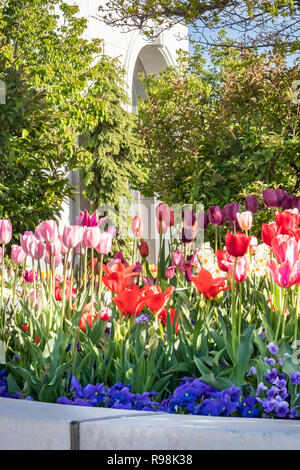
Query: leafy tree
{"type": "Point", "coordinates": [263, 23]}
{"type": "Point", "coordinates": [55, 80]}
{"type": "Point", "coordinates": [214, 134]}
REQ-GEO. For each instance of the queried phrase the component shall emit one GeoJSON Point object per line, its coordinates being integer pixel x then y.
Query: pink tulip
{"type": "Point", "coordinates": [1, 251]}
{"type": "Point", "coordinates": [57, 258]}
{"type": "Point", "coordinates": [170, 272]}
{"type": "Point", "coordinates": [48, 230]}
{"type": "Point", "coordinates": [178, 258]}
{"type": "Point", "coordinates": [241, 271]}
{"type": "Point", "coordinates": [165, 214]}
{"type": "Point", "coordinates": [112, 230]}
{"type": "Point", "coordinates": [55, 247]}
{"type": "Point", "coordinates": [91, 237]}
{"type": "Point", "coordinates": [80, 249]}
{"type": "Point", "coordinates": [28, 276]}
{"type": "Point", "coordinates": [63, 248]}
{"type": "Point", "coordinates": [137, 226]}
{"type": "Point", "coordinates": [244, 219]}
{"type": "Point", "coordinates": [72, 236]}
{"type": "Point", "coordinates": [18, 255]}
{"type": "Point", "coordinates": [35, 248]}
{"type": "Point", "coordinates": [253, 245]}
{"type": "Point", "coordinates": [5, 231]}
{"type": "Point", "coordinates": [87, 220]}
{"type": "Point", "coordinates": [285, 249]}
{"type": "Point", "coordinates": [26, 240]}
{"type": "Point", "coordinates": [105, 243]}
{"type": "Point", "coordinates": [285, 274]}
{"type": "Point", "coordinates": [162, 227]}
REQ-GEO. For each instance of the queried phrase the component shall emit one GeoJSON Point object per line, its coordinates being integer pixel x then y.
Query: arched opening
{"type": "Point", "coordinates": [150, 60]}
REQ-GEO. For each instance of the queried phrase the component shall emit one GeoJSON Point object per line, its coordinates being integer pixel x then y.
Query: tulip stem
{"type": "Point", "coordinates": [2, 280]}
{"type": "Point", "coordinates": [71, 280]}
{"type": "Point", "coordinates": [64, 289]}
{"type": "Point", "coordinates": [216, 238]}
{"type": "Point", "coordinates": [233, 310]}
{"type": "Point", "coordinates": [34, 285]}
{"type": "Point", "coordinates": [296, 314]}
{"type": "Point", "coordinates": [92, 287]}
{"type": "Point", "coordinates": [85, 270]}
{"type": "Point", "coordinates": [100, 281]}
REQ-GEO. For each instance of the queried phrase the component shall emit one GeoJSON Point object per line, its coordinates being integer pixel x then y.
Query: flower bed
{"type": "Point", "coordinates": [205, 332]}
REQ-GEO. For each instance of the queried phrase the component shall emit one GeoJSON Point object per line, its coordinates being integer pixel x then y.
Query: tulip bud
{"type": "Point", "coordinates": [5, 231]}
{"type": "Point", "coordinates": [237, 244]}
{"type": "Point", "coordinates": [137, 226]}
{"type": "Point", "coordinates": [252, 204]}
{"type": "Point", "coordinates": [18, 255]}
{"type": "Point", "coordinates": [244, 219]}
{"type": "Point", "coordinates": [144, 249]}
{"type": "Point", "coordinates": [91, 237]}
{"type": "Point", "coordinates": [216, 215]}
{"type": "Point", "coordinates": [105, 243]}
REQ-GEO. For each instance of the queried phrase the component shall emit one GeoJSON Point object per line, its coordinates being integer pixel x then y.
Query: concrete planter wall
{"type": "Point", "coordinates": [26, 425]}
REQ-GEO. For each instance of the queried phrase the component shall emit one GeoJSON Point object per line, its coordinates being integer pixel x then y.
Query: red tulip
{"type": "Point", "coordinates": [128, 300]}
{"type": "Point", "coordinates": [286, 221]}
{"type": "Point", "coordinates": [207, 285]}
{"type": "Point", "coordinates": [163, 316]}
{"type": "Point", "coordinates": [268, 232]}
{"type": "Point", "coordinates": [144, 249]}
{"type": "Point", "coordinates": [224, 259]}
{"type": "Point", "coordinates": [237, 244]}
{"type": "Point", "coordinates": [155, 299]}
{"type": "Point", "coordinates": [118, 277]}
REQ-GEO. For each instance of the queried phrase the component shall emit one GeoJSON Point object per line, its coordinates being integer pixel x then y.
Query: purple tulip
{"type": "Point", "coordinates": [216, 216]}
{"type": "Point", "coordinates": [203, 220]}
{"type": "Point", "coordinates": [280, 194]}
{"type": "Point", "coordinates": [274, 197]}
{"type": "Point", "coordinates": [189, 217]}
{"type": "Point", "coordinates": [251, 204]}
{"type": "Point", "coordinates": [230, 211]}
{"type": "Point", "coordinates": [289, 202]}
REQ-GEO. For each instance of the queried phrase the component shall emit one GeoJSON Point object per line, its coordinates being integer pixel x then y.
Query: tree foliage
{"type": "Point", "coordinates": [265, 23]}
{"type": "Point", "coordinates": [55, 79]}
{"type": "Point", "coordinates": [216, 133]}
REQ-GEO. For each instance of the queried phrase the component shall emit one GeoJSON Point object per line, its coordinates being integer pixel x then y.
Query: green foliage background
{"type": "Point", "coordinates": [217, 133]}
{"type": "Point", "coordinates": [59, 86]}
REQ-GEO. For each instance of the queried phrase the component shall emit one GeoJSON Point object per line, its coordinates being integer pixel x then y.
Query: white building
{"type": "Point", "coordinates": [136, 55]}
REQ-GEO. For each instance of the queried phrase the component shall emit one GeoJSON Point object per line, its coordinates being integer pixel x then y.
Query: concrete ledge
{"type": "Point", "coordinates": [26, 425]}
